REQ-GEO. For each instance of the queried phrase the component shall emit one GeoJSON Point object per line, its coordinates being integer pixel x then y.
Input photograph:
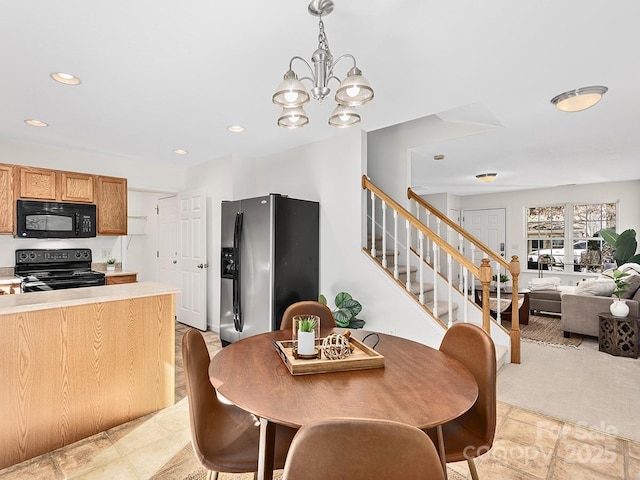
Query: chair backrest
{"type": "Point", "coordinates": [361, 449]}
{"type": "Point", "coordinates": [203, 401]}
{"type": "Point", "coordinates": [474, 348]}
{"type": "Point", "coordinates": [309, 307]}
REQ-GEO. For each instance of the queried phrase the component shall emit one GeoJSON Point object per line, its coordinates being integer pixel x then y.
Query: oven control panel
{"type": "Point", "coordinates": [61, 255]}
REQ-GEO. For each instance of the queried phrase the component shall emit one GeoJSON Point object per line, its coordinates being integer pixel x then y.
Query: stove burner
{"type": "Point", "coordinates": [57, 269]}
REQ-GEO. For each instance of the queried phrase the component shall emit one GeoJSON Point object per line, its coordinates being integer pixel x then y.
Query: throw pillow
{"type": "Point", "coordinates": [634, 284]}
{"type": "Point", "coordinates": [596, 286]}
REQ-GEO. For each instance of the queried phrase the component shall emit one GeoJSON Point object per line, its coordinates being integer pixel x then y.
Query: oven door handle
{"type": "Point", "coordinates": [77, 224]}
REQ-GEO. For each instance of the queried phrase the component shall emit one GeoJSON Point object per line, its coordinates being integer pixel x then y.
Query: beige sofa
{"type": "Point", "coordinates": [580, 312]}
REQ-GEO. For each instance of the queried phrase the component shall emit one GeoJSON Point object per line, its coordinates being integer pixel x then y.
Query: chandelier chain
{"type": "Point", "coordinates": [323, 42]}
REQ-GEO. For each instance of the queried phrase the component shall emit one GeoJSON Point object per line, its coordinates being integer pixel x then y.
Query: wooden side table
{"type": "Point", "coordinates": [618, 335]}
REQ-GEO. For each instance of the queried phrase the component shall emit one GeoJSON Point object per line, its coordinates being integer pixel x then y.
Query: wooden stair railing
{"type": "Point", "coordinates": [482, 272]}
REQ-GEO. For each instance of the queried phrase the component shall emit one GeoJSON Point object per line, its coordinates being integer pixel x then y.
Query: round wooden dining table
{"type": "Point", "coordinates": [418, 386]}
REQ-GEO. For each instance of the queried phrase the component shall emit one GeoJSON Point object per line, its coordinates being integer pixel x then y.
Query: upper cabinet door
{"type": "Point", "coordinates": [37, 183]}
{"type": "Point", "coordinates": [76, 187]}
{"type": "Point", "coordinates": [111, 205]}
{"type": "Point", "coordinates": [7, 203]}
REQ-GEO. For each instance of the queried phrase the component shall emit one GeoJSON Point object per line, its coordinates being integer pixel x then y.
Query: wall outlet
{"type": "Point", "coordinates": [106, 253]}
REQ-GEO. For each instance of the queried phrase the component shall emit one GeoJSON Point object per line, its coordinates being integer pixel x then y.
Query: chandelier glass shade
{"type": "Point", "coordinates": [291, 94]}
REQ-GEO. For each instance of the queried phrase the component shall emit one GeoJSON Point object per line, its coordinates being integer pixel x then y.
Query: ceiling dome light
{"type": "Point", "coordinates": [36, 123]}
{"type": "Point", "coordinates": [179, 151]}
{"type": "Point", "coordinates": [579, 99]}
{"type": "Point", "coordinates": [65, 78]}
{"type": "Point", "coordinates": [438, 157]}
{"type": "Point", "coordinates": [486, 177]}
{"type": "Point", "coordinates": [235, 128]}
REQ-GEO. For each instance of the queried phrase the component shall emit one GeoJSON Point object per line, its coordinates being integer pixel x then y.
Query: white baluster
{"type": "Point", "coordinates": [429, 241]}
{"type": "Point", "coordinates": [408, 283]}
{"type": "Point", "coordinates": [450, 296]}
{"type": "Point", "coordinates": [435, 280]}
{"type": "Point", "coordinates": [384, 234]}
{"type": "Point", "coordinates": [465, 279]}
{"type": "Point", "coordinates": [420, 265]}
{"type": "Point", "coordinates": [373, 225]}
{"type": "Point", "coordinates": [498, 292]}
{"type": "Point", "coordinates": [460, 265]}
{"type": "Point", "coordinates": [395, 244]}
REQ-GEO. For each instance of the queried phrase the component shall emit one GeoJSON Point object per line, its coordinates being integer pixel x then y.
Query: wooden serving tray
{"type": "Point", "coordinates": [362, 357]}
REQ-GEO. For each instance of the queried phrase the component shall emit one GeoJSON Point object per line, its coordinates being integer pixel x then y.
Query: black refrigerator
{"type": "Point", "coordinates": [270, 259]}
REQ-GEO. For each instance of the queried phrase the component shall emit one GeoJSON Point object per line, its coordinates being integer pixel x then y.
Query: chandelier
{"type": "Point", "coordinates": [353, 91]}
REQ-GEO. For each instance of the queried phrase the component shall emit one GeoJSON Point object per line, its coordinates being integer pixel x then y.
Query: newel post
{"type": "Point", "coordinates": [514, 270]}
{"type": "Point", "coordinates": [485, 280]}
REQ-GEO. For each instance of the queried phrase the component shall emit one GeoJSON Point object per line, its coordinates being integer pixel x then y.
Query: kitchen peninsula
{"type": "Point", "coordinates": [79, 361]}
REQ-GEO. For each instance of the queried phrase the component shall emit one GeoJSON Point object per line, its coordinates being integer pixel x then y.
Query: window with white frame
{"type": "Point", "coordinates": [567, 237]}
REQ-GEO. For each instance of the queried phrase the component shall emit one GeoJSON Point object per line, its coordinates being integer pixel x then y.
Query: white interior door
{"type": "Point", "coordinates": [167, 266]}
{"type": "Point", "coordinates": [488, 226]}
{"type": "Point", "coordinates": [192, 258]}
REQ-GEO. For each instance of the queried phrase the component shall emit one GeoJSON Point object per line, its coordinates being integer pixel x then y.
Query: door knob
{"type": "Point", "coordinates": [175, 261]}
{"type": "Point", "coordinates": [200, 266]}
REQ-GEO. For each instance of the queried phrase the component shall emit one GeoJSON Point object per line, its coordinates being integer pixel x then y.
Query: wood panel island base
{"type": "Point", "coordinates": [80, 361]}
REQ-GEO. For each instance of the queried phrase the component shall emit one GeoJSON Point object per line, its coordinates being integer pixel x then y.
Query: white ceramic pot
{"type": "Point", "coordinates": [619, 308]}
{"type": "Point", "coordinates": [306, 343]}
{"type": "Point", "coordinates": [111, 267]}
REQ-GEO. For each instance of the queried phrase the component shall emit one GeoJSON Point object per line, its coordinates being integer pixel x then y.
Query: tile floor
{"type": "Point", "coordinates": [527, 446]}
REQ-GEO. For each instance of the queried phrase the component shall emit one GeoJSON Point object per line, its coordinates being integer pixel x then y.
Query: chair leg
{"type": "Point", "coordinates": [472, 469]}
{"type": "Point", "coordinates": [211, 475]}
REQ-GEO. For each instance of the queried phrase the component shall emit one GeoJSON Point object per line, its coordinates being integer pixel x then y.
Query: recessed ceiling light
{"type": "Point", "coordinates": [486, 177]}
{"type": "Point", "coordinates": [65, 78]}
{"type": "Point", "coordinates": [179, 151]}
{"type": "Point", "coordinates": [235, 129]}
{"type": "Point", "coordinates": [36, 123]}
{"type": "Point", "coordinates": [438, 157]}
{"type": "Point", "coordinates": [579, 99]}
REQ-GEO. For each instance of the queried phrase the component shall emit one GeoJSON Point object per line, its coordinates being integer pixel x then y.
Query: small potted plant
{"type": "Point", "coordinates": [346, 311]}
{"type": "Point", "coordinates": [619, 307]}
{"type": "Point", "coordinates": [111, 264]}
{"type": "Point", "coordinates": [503, 280]}
{"type": "Point", "coordinates": [306, 328]}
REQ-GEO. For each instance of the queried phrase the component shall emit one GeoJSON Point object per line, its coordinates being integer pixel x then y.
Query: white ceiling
{"type": "Point", "coordinates": [158, 75]}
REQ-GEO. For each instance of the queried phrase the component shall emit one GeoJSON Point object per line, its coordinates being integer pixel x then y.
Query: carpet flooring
{"type": "Point", "coordinates": [580, 385]}
{"type": "Point", "coordinates": [545, 329]}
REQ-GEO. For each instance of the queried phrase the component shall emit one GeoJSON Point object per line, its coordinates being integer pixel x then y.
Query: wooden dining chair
{"type": "Point", "coordinates": [361, 449]}
{"type": "Point", "coordinates": [225, 438]}
{"type": "Point", "coordinates": [308, 307]}
{"type": "Point", "coordinates": [471, 434]}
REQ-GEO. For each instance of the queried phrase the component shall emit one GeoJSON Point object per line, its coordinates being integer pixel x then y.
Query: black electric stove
{"type": "Point", "coordinates": [49, 269]}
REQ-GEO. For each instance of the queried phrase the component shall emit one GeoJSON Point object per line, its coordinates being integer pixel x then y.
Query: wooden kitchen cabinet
{"type": "Point", "coordinates": [111, 204]}
{"type": "Point", "coordinates": [36, 183]}
{"type": "Point", "coordinates": [76, 187]}
{"type": "Point", "coordinates": [7, 204]}
{"type": "Point", "coordinates": [119, 279]}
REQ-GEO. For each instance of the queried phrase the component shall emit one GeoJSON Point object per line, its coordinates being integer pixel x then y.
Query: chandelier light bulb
{"type": "Point", "coordinates": [353, 91]}
{"type": "Point", "coordinates": [290, 96]}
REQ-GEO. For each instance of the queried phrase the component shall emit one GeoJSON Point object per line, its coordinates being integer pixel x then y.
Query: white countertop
{"type": "Point", "coordinates": [117, 273]}
{"type": "Point", "coordinates": [26, 302]}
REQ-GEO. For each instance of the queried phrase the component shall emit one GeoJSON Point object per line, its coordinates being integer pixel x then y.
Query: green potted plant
{"type": "Point", "coordinates": [346, 310]}
{"type": "Point", "coordinates": [305, 328]}
{"type": "Point", "coordinates": [619, 307]}
{"type": "Point", "coordinates": [111, 263]}
{"type": "Point", "coordinates": [503, 278]}
{"type": "Point", "coordinates": [624, 245]}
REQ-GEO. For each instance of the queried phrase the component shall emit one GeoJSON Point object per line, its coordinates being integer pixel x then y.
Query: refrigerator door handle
{"type": "Point", "coordinates": [237, 300]}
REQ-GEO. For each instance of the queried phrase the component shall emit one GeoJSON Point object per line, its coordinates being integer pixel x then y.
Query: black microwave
{"type": "Point", "coordinates": [55, 219]}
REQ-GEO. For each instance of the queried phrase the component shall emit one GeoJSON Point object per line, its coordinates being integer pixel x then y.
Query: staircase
{"type": "Point", "coordinates": [433, 271]}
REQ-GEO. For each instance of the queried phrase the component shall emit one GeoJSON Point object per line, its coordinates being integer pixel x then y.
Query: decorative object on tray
{"type": "Point", "coordinates": [346, 311]}
{"type": "Point", "coordinates": [306, 329]}
{"type": "Point", "coordinates": [336, 347]}
{"type": "Point", "coordinates": [111, 264]}
{"type": "Point", "coordinates": [619, 307]}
